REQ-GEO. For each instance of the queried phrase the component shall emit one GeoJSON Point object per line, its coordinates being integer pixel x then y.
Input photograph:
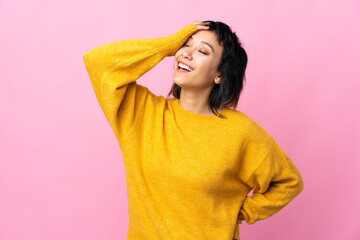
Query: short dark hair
{"type": "Point", "coordinates": [231, 67]}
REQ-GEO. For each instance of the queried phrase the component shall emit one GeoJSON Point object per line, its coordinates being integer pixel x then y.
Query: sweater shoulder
{"type": "Point", "coordinates": [242, 120]}
{"type": "Point", "coordinates": [248, 128]}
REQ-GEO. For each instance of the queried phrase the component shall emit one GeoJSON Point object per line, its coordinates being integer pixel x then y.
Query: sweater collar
{"type": "Point", "coordinates": [193, 116]}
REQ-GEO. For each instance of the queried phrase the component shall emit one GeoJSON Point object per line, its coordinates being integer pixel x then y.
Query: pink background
{"type": "Point", "coordinates": [61, 171]}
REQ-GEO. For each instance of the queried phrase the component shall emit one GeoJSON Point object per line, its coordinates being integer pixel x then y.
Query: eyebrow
{"type": "Point", "coordinates": [204, 43]}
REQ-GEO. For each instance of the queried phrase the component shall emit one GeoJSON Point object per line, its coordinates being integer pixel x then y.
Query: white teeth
{"type": "Point", "coordinates": [185, 67]}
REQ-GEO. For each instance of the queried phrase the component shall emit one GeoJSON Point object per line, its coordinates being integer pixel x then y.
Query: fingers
{"type": "Point", "coordinates": [201, 25]}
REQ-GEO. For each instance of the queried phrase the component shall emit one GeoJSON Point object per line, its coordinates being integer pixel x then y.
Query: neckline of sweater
{"type": "Point", "coordinates": [175, 103]}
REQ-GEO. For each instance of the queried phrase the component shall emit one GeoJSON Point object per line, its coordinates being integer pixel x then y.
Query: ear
{"type": "Point", "coordinates": [217, 79]}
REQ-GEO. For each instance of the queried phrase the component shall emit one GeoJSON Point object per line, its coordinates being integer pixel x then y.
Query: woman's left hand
{"type": "Point", "coordinates": [201, 25]}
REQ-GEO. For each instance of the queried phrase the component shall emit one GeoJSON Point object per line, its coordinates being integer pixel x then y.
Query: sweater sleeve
{"type": "Point", "coordinates": [113, 69]}
{"type": "Point", "coordinates": [276, 182]}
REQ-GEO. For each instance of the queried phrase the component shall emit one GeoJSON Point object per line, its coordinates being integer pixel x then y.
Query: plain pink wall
{"type": "Point", "coordinates": [61, 170]}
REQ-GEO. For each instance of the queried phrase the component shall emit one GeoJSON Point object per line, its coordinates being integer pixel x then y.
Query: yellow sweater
{"type": "Point", "coordinates": [187, 174]}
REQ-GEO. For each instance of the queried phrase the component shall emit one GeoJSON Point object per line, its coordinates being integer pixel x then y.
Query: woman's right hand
{"type": "Point", "coordinates": [201, 25]}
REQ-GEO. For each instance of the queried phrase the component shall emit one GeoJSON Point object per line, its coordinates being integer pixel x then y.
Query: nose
{"type": "Point", "coordinates": [187, 53]}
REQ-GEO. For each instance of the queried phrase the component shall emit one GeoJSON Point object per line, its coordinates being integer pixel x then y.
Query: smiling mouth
{"type": "Point", "coordinates": [184, 67]}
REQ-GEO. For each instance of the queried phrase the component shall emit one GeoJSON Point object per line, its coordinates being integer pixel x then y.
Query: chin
{"type": "Point", "coordinates": [177, 82]}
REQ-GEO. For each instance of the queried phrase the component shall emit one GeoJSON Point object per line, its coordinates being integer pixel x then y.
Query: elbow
{"type": "Point", "coordinates": [89, 57]}
{"type": "Point", "coordinates": [298, 184]}
{"type": "Point", "coordinates": [294, 185]}
{"type": "Point", "coordinates": [86, 58]}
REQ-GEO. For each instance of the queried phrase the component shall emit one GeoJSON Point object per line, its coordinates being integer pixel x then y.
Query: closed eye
{"type": "Point", "coordinates": [185, 45]}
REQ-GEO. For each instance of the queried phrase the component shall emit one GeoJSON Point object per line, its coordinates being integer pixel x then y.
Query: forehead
{"type": "Point", "coordinates": [206, 36]}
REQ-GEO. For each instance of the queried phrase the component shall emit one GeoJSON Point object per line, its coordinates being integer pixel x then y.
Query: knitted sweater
{"type": "Point", "coordinates": [187, 175]}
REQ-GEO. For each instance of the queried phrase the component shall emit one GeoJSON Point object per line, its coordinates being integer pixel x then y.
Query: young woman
{"type": "Point", "coordinates": [190, 161]}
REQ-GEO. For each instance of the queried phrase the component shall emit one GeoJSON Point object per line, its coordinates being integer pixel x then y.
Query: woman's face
{"type": "Point", "coordinates": [200, 56]}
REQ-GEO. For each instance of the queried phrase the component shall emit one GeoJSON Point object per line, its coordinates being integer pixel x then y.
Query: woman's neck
{"type": "Point", "coordinates": [196, 103]}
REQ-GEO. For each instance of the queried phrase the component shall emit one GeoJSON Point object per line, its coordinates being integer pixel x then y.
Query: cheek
{"type": "Point", "coordinates": [178, 52]}
{"type": "Point", "coordinates": [176, 56]}
{"type": "Point", "coordinates": [208, 66]}
{"type": "Point", "coordinates": [214, 65]}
